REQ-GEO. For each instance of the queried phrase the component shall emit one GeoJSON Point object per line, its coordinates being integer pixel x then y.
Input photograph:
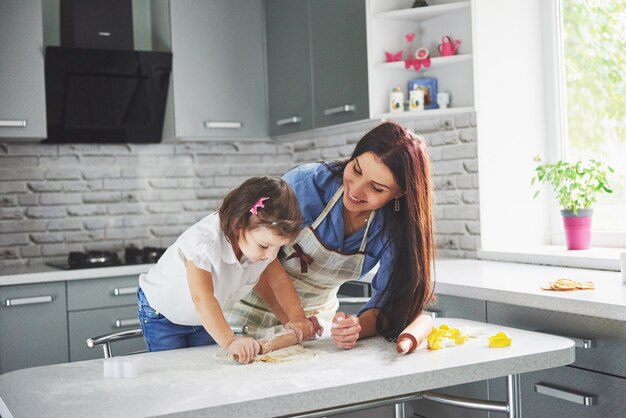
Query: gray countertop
{"type": "Point", "coordinates": [514, 283]}
{"type": "Point", "coordinates": [198, 382]}
{"type": "Point", "coordinates": [520, 284]}
{"type": "Point", "coordinates": [42, 273]}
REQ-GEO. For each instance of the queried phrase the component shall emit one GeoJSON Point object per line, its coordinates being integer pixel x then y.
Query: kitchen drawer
{"type": "Point", "coordinates": [92, 323]}
{"type": "Point", "coordinates": [33, 326]}
{"type": "Point", "coordinates": [102, 293]}
{"type": "Point", "coordinates": [456, 307]}
{"type": "Point", "coordinates": [608, 336]}
{"type": "Point", "coordinates": [567, 382]}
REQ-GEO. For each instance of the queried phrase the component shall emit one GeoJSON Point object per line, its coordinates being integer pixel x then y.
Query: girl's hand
{"type": "Point", "coordinates": [305, 328]}
{"type": "Point", "coordinates": [345, 330]}
{"type": "Point", "coordinates": [243, 349]}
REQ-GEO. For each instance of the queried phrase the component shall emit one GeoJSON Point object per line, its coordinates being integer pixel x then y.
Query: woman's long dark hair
{"type": "Point", "coordinates": [410, 230]}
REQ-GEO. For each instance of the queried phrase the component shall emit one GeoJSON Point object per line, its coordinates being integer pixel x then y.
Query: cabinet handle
{"type": "Point", "coordinates": [289, 121]}
{"type": "Point", "coordinates": [566, 395]}
{"type": "Point", "coordinates": [583, 343]}
{"type": "Point", "coordinates": [340, 109]}
{"type": "Point", "coordinates": [432, 314]}
{"type": "Point", "coordinates": [121, 291]}
{"type": "Point", "coordinates": [223, 125]}
{"type": "Point", "coordinates": [119, 323]}
{"type": "Point", "coordinates": [353, 300]}
{"type": "Point", "coordinates": [12, 123]}
{"type": "Point", "coordinates": [28, 301]}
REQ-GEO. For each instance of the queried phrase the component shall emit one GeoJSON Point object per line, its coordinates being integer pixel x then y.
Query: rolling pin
{"type": "Point", "coordinates": [281, 340]}
{"type": "Point", "coordinates": [407, 340]}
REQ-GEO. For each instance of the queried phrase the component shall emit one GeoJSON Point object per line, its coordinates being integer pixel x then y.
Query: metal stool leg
{"type": "Point", "coordinates": [399, 410]}
{"type": "Point", "coordinates": [513, 396]}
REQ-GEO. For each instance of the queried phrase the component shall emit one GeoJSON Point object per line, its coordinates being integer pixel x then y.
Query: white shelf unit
{"type": "Point", "coordinates": [424, 113]}
{"type": "Point", "coordinates": [388, 23]}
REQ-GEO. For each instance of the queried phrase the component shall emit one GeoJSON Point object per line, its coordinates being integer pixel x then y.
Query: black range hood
{"type": "Point", "coordinates": [105, 95]}
{"type": "Point", "coordinates": [98, 88]}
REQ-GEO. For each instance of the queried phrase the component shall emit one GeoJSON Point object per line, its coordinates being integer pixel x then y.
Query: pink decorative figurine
{"type": "Point", "coordinates": [409, 38]}
{"type": "Point", "coordinates": [448, 47]}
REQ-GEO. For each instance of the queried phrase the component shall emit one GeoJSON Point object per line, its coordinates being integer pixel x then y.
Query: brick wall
{"type": "Point", "coordinates": [60, 198]}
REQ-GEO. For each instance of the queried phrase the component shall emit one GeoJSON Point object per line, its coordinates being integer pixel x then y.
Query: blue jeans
{"type": "Point", "coordinates": [161, 334]}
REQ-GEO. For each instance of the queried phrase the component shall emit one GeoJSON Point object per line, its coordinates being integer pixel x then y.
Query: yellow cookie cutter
{"type": "Point", "coordinates": [501, 339]}
{"type": "Point", "coordinates": [438, 335]}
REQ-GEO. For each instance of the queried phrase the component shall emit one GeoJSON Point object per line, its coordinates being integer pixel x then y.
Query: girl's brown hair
{"type": "Point", "coordinates": [410, 229]}
{"type": "Point", "coordinates": [281, 212]}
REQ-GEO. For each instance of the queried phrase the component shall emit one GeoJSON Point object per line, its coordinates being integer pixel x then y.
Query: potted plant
{"type": "Point", "coordinates": [576, 186]}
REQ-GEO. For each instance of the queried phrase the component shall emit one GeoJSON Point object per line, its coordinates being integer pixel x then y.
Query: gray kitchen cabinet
{"type": "Point", "coordinates": [102, 306]}
{"type": "Point", "coordinates": [599, 369]}
{"type": "Point", "coordinates": [289, 65]}
{"type": "Point", "coordinates": [561, 392]}
{"type": "Point", "coordinates": [218, 86]}
{"type": "Point", "coordinates": [317, 63]}
{"type": "Point", "coordinates": [92, 323]}
{"type": "Point", "coordinates": [33, 325]}
{"type": "Point", "coordinates": [455, 307]}
{"type": "Point", "coordinates": [339, 49]}
{"type": "Point", "coordinates": [22, 92]}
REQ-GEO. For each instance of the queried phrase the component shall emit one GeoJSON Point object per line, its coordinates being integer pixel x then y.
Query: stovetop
{"type": "Point", "coordinates": [94, 259]}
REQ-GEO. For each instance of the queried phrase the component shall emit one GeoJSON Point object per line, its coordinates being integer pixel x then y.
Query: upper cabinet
{"type": "Point", "coordinates": [339, 48]}
{"type": "Point", "coordinates": [289, 65]}
{"type": "Point", "coordinates": [317, 63]}
{"type": "Point", "coordinates": [218, 82]}
{"type": "Point", "coordinates": [390, 23]}
{"type": "Point", "coordinates": [22, 92]}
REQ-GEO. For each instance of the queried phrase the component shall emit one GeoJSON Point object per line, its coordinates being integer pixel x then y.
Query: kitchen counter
{"type": "Point", "coordinates": [520, 284]}
{"type": "Point", "coordinates": [198, 382]}
{"type": "Point", "coordinates": [513, 283]}
{"type": "Point", "coordinates": [42, 273]}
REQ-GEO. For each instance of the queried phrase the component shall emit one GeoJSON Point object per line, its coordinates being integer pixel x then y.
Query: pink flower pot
{"type": "Point", "coordinates": [577, 228]}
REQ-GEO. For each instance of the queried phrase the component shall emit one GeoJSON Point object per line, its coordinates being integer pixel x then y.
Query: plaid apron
{"type": "Point", "coordinates": [317, 273]}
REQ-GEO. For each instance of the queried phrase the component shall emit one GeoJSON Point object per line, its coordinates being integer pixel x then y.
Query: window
{"type": "Point", "coordinates": [593, 98]}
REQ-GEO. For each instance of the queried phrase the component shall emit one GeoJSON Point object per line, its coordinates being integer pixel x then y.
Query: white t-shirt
{"type": "Point", "coordinates": [205, 245]}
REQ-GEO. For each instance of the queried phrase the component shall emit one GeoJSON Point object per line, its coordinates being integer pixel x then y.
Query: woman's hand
{"type": "Point", "coordinates": [345, 330]}
{"type": "Point", "coordinates": [243, 349]}
{"type": "Point", "coordinates": [305, 328]}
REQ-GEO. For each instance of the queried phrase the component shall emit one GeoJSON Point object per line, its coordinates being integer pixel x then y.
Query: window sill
{"type": "Point", "coordinates": [599, 258]}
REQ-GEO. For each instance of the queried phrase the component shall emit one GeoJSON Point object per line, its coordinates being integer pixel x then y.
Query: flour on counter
{"type": "Point", "coordinates": [293, 353]}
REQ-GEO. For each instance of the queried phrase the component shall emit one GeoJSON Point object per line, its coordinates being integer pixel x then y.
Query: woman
{"type": "Point", "coordinates": [375, 208]}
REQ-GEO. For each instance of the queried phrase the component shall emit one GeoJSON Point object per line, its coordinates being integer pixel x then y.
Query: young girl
{"type": "Point", "coordinates": [215, 263]}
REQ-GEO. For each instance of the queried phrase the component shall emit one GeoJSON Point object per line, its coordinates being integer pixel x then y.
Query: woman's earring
{"type": "Point", "coordinates": [396, 205]}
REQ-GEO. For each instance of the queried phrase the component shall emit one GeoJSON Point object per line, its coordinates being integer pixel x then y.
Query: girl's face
{"type": "Point", "coordinates": [368, 184]}
{"type": "Point", "coordinates": [260, 243]}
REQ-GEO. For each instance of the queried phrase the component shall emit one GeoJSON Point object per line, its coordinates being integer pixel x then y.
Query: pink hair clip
{"type": "Point", "coordinates": [257, 205]}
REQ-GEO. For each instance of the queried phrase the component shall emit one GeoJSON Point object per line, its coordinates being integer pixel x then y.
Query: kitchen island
{"type": "Point", "coordinates": [200, 382]}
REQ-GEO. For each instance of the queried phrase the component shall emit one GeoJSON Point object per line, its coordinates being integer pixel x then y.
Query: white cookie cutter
{"type": "Point", "coordinates": [129, 367]}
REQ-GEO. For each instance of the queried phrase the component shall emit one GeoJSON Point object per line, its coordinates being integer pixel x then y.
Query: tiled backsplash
{"type": "Point", "coordinates": [60, 198]}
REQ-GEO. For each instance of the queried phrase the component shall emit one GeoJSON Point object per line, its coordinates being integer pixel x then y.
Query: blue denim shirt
{"type": "Point", "coordinates": [314, 185]}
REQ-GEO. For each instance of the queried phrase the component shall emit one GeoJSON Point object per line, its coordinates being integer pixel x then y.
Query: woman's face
{"type": "Point", "coordinates": [260, 243]}
{"type": "Point", "coordinates": [368, 184]}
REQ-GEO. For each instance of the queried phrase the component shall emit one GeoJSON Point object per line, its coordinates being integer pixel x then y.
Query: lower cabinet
{"type": "Point", "coordinates": [563, 392]}
{"type": "Point", "coordinates": [593, 386]}
{"type": "Point", "coordinates": [89, 324]}
{"type": "Point", "coordinates": [33, 326]}
{"type": "Point", "coordinates": [98, 307]}
{"type": "Point", "coordinates": [454, 307]}
{"type": "Point", "coordinates": [38, 320]}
